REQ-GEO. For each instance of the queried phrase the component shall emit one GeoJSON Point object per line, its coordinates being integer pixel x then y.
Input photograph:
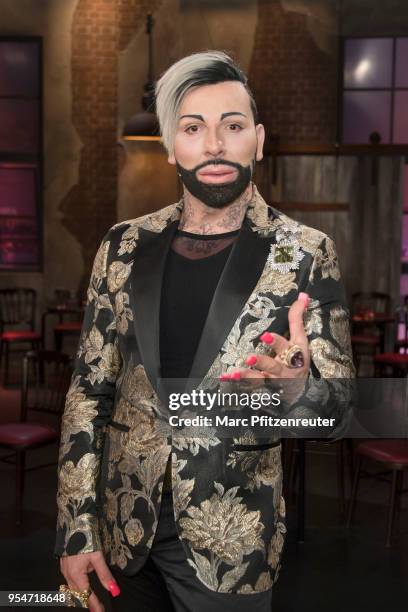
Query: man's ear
{"type": "Point", "coordinates": [260, 133]}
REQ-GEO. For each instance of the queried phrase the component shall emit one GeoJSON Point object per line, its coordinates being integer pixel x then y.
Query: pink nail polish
{"type": "Point", "coordinates": [251, 360]}
{"type": "Point", "coordinates": [235, 376]}
{"type": "Point", "coordinates": [305, 298]}
{"type": "Point", "coordinates": [114, 589]}
{"type": "Point", "coordinates": [267, 337]}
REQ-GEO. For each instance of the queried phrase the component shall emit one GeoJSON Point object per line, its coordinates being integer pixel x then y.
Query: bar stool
{"type": "Point", "coordinates": [392, 454]}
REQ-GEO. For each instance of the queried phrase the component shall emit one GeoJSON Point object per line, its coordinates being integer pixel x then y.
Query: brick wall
{"type": "Point", "coordinates": [132, 16]}
{"type": "Point", "coordinates": [89, 209]}
{"type": "Point", "coordinates": [100, 30]}
{"type": "Point", "coordinates": [293, 80]}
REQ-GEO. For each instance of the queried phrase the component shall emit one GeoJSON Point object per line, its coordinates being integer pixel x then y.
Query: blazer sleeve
{"type": "Point", "coordinates": [327, 318]}
{"type": "Point", "coordinates": [330, 387]}
{"type": "Point", "coordinates": [88, 407]}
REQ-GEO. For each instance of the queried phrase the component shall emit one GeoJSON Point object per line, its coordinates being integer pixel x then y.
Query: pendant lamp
{"type": "Point", "coordinates": [144, 125]}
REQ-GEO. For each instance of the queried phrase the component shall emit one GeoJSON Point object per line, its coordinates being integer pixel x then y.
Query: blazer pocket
{"type": "Point", "coordinates": [103, 473]}
{"type": "Point", "coordinates": [119, 426]}
{"type": "Point", "coordinates": [255, 447]}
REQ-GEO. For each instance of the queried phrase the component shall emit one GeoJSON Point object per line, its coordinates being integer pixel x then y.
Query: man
{"type": "Point", "coordinates": [197, 289]}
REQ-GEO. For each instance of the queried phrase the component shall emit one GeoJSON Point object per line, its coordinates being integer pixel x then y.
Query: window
{"type": "Point", "coordinates": [374, 90]}
{"type": "Point", "coordinates": [20, 153]}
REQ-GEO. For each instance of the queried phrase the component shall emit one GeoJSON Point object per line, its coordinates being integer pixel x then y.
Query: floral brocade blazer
{"type": "Point", "coordinates": [227, 493]}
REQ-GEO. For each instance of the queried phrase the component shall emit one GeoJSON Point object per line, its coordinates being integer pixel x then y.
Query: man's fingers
{"type": "Point", "coordinates": [267, 364]}
{"type": "Point", "coordinates": [252, 379]}
{"type": "Point", "coordinates": [265, 367]}
{"type": "Point", "coordinates": [295, 317]}
{"type": "Point", "coordinates": [75, 569]}
{"type": "Point", "coordinates": [78, 580]}
{"type": "Point", "coordinates": [274, 342]}
{"type": "Point", "coordinates": [105, 575]}
{"type": "Point", "coordinates": [94, 604]}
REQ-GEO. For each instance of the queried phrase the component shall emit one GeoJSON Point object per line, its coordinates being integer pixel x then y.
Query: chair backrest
{"type": "Point", "coordinates": [17, 306]}
{"type": "Point", "coordinates": [46, 378]}
{"type": "Point", "coordinates": [375, 301]}
{"type": "Point", "coordinates": [401, 321]}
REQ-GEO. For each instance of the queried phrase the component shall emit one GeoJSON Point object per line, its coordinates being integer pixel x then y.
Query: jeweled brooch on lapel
{"type": "Point", "coordinates": [285, 256]}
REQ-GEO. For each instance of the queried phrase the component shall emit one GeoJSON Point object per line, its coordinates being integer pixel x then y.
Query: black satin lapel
{"type": "Point", "coordinates": [146, 283]}
{"type": "Point", "coordinates": [239, 277]}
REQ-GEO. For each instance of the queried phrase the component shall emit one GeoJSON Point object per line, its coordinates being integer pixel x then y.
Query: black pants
{"type": "Point", "coordinates": [167, 583]}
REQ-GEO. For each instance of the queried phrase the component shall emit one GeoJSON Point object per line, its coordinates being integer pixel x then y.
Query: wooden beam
{"type": "Point", "coordinates": [333, 149]}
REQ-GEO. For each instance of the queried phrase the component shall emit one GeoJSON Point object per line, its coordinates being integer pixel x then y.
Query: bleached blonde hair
{"type": "Point", "coordinates": [204, 68]}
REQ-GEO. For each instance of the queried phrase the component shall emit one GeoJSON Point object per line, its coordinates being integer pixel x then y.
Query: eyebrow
{"type": "Point", "coordinates": [223, 116]}
{"type": "Point", "coordinates": [232, 113]}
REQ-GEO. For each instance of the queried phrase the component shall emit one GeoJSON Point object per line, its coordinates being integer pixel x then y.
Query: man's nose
{"type": "Point", "coordinates": [214, 143]}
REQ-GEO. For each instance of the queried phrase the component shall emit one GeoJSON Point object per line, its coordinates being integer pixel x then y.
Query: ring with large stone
{"type": "Point", "coordinates": [293, 357]}
{"type": "Point", "coordinates": [75, 599]}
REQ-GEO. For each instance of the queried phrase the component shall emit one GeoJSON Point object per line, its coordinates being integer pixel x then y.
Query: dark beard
{"type": "Point", "coordinates": [216, 196]}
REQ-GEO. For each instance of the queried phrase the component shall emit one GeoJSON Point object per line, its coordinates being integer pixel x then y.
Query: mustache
{"type": "Point", "coordinates": [216, 162]}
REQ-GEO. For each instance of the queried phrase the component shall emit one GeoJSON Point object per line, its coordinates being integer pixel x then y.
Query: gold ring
{"type": "Point", "coordinates": [265, 349]}
{"type": "Point", "coordinates": [72, 596]}
{"type": "Point", "coordinates": [293, 357]}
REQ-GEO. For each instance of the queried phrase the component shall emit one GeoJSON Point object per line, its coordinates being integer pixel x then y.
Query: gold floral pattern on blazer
{"type": "Point", "coordinates": [228, 502]}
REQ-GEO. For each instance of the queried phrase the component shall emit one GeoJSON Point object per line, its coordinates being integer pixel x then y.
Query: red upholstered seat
{"type": "Point", "coordinates": [390, 451]}
{"type": "Point", "coordinates": [365, 339]}
{"type": "Point", "coordinates": [392, 358]}
{"type": "Point", "coordinates": [68, 326]}
{"type": "Point", "coordinates": [20, 335]}
{"type": "Point", "coordinates": [26, 434]}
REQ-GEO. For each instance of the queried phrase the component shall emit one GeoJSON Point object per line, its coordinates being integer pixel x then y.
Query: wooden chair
{"type": "Point", "coordinates": [294, 469]}
{"type": "Point", "coordinates": [368, 341]}
{"type": "Point", "coordinates": [66, 328]}
{"type": "Point", "coordinates": [374, 300]}
{"type": "Point", "coordinates": [392, 454]}
{"type": "Point", "coordinates": [46, 377]}
{"type": "Point", "coordinates": [395, 363]}
{"type": "Point", "coordinates": [401, 319]}
{"type": "Point", "coordinates": [17, 310]}
{"type": "Point", "coordinates": [72, 326]}
{"type": "Point", "coordinates": [391, 364]}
